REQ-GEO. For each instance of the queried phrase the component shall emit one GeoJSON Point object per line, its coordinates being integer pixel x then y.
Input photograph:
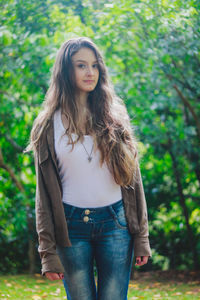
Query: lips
{"type": "Point", "coordinates": [89, 81]}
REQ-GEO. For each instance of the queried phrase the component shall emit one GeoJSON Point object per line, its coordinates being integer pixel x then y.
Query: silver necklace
{"type": "Point", "coordinates": [89, 155]}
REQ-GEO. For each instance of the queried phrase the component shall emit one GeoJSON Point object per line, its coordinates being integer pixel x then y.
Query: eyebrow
{"type": "Point", "coordinates": [85, 61]}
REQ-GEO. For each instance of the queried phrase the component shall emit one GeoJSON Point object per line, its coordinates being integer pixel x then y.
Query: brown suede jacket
{"type": "Point", "coordinates": [51, 223]}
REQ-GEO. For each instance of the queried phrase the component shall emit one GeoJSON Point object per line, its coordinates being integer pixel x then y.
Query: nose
{"type": "Point", "coordinates": [90, 70]}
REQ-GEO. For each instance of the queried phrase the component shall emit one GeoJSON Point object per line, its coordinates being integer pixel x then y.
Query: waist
{"type": "Point", "coordinates": [97, 212]}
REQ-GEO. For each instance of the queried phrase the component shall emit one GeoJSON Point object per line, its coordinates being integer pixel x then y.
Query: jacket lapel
{"type": "Point", "coordinates": [50, 141]}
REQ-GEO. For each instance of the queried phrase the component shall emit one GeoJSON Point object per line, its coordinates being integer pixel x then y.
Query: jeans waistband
{"type": "Point", "coordinates": [103, 211]}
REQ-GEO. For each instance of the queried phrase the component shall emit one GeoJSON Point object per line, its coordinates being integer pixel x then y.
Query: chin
{"type": "Point", "coordinates": [89, 89]}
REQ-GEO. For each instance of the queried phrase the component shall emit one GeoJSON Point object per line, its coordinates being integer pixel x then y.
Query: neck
{"type": "Point", "coordinates": [81, 99]}
{"type": "Point", "coordinates": [83, 111]}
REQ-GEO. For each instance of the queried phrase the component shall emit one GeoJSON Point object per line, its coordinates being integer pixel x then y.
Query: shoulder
{"type": "Point", "coordinates": [47, 129]}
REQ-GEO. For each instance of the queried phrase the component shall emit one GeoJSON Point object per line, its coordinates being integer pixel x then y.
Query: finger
{"type": "Point", "coordinates": [138, 261]}
{"type": "Point", "coordinates": [144, 260]}
{"type": "Point", "coordinates": [52, 276]}
{"type": "Point", "coordinates": [48, 276]}
{"type": "Point", "coordinates": [61, 275]}
{"type": "Point", "coordinates": [55, 276]}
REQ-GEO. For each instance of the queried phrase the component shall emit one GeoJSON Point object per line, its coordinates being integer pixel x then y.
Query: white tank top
{"type": "Point", "coordinates": [84, 183]}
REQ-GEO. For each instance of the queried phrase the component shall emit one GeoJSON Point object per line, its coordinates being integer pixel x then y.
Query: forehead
{"type": "Point", "coordinates": [84, 54]}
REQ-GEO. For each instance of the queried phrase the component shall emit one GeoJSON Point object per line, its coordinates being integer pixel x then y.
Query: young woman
{"type": "Point", "coordinates": [90, 202]}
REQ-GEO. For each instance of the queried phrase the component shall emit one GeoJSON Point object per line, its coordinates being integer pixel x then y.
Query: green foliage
{"type": "Point", "coordinates": [152, 53]}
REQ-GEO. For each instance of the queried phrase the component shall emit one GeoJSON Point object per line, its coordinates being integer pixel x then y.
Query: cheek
{"type": "Point", "coordinates": [78, 75]}
{"type": "Point", "coordinates": [97, 74]}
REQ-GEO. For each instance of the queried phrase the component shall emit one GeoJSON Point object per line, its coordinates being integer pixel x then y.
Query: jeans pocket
{"type": "Point", "coordinates": [120, 218]}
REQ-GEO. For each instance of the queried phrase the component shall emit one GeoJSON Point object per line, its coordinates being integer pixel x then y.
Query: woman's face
{"type": "Point", "coordinates": [86, 70]}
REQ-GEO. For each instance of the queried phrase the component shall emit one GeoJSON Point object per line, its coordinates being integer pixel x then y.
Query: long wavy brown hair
{"type": "Point", "coordinates": [108, 121]}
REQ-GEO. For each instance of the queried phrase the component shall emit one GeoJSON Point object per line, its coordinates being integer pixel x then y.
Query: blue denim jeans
{"type": "Point", "coordinates": [99, 234]}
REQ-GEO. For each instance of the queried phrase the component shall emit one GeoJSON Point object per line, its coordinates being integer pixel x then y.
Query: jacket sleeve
{"type": "Point", "coordinates": [141, 239]}
{"type": "Point", "coordinates": [44, 225]}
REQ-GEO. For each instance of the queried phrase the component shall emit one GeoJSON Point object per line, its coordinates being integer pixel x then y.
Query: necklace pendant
{"type": "Point", "coordinates": [89, 158]}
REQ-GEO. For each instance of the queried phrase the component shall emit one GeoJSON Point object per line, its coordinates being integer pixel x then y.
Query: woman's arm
{"type": "Point", "coordinates": [141, 239]}
{"type": "Point", "coordinates": [44, 226]}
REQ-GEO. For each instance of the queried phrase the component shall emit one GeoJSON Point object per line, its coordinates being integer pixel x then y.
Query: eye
{"type": "Point", "coordinates": [95, 66]}
{"type": "Point", "coordinates": [81, 66]}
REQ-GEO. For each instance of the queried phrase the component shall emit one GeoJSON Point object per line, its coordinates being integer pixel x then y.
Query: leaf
{"type": "Point", "coordinates": [36, 297]}
{"type": "Point", "coordinates": [177, 294]}
{"type": "Point", "coordinates": [135, 286]}
{"type": "Point", "coordinates": [9, 284]}
{"type": "Point", "coordinates": [40, 281]}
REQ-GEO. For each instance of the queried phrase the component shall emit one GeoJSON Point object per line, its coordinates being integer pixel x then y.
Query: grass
{"type": "Point", "coordinates": [145, 286]}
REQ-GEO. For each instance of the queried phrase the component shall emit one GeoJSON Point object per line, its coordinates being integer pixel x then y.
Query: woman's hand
{"type": "Point", "coordinates": [54, 276]}
{"type": "Point", "coordinates": [141, 260]}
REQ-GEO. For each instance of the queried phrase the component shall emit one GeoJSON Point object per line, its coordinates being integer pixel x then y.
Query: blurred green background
{"type": "Point", "coordinates": [151, 49]}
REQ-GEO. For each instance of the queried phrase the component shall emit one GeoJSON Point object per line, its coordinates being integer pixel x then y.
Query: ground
{"type": "Point", "coordinates": [146, 285]}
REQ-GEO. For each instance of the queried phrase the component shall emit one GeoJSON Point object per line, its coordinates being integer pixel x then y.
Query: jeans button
{"type": "Point", "coordinates": [87, 212]}
{"type": "Point", "coordinates": [85, 219]}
